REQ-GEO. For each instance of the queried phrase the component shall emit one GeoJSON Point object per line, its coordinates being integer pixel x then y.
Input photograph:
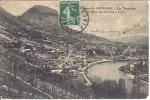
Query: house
{"type": "Point", "coordinates": [56, 71]}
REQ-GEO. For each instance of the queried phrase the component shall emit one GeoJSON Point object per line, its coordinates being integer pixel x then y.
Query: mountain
{"type": "Point", "coordinates": [26, 31]}
{"type": "Point", "coordinates": [45, 20]}
{"type": "Point", "coordinates": [40, 17]}
{"type": "Point", "coordinates": [12, 25]}
{"type": "Point", "coordinates": [9, 26]}
{"type": "Point", "coordinates": [20, 36]}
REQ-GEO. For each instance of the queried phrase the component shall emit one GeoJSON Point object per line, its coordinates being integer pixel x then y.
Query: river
{"type": "Point", "coordinates": [110, 71]}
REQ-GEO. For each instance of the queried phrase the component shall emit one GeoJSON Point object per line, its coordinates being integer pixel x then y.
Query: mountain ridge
{"type": "Point", "coordinates": [49, 23]}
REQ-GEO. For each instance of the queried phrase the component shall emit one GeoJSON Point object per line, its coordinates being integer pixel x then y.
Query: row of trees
{"type": "Point", "coordinates": [114, 89]}
{"type": "Point", "coordinates": [109, 89]}
{"type": "Point", "coordinates": [39, 77]}
{"type": "Point", "coordinates": [136, 92]}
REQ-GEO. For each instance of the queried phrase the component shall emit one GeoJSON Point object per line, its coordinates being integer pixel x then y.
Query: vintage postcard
{"type": "Point", "coordinates": [74, 49]}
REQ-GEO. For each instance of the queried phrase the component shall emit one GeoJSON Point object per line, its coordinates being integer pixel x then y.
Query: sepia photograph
{"type": "Point", "coordinates": [74, 49]}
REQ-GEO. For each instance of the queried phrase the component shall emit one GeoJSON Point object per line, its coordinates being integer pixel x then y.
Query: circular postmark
{"type": "Point", "coordinates": [84, 21]}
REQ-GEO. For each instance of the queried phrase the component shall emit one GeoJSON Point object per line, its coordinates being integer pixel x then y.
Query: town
{"type": "Point", "coordinates": [40, 60]}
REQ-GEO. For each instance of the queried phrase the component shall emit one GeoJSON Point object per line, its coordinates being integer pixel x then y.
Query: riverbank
{"type": "Point", "coordinates": [88, 81]}
{"type": "Point", "coordinates": [84, 70]}
{"type": "Point", "coordinates": [132, 77]}
{"type": "Point", "coordinates": [136, 70]}
{"type": "Point", "coordinates": [143, 85]}
{"type": "Point", "coordinates": [104, 71]}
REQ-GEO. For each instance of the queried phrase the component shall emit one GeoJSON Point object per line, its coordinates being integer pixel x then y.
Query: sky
{"type": "Point", "coordinates": [19, 7]}
{"type": "Point", "coordinates": [117, 22]}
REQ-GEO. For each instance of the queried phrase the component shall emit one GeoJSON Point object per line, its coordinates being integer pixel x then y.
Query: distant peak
{"type": "Point", "coordinates": [1, 9]}
{"type": "Point", "coordinates": [4, 12]}
{"type": "Point", "coordinates": [38, 9]}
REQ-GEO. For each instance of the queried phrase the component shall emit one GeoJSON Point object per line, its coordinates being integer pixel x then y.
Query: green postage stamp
{"type": "Point", "coordinates": [69, 12]}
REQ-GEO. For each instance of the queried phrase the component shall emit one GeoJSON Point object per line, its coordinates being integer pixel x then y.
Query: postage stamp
{"type": "Point", "coordinates": [83, 23]}
{"type": "Point", "coordinates": [69, 12]}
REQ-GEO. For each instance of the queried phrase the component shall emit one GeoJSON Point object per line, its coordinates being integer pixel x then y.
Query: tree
{"type": "Point", "coordinates": [121, 89]}
{"type": "Point", "coordinates": [136, 92]}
